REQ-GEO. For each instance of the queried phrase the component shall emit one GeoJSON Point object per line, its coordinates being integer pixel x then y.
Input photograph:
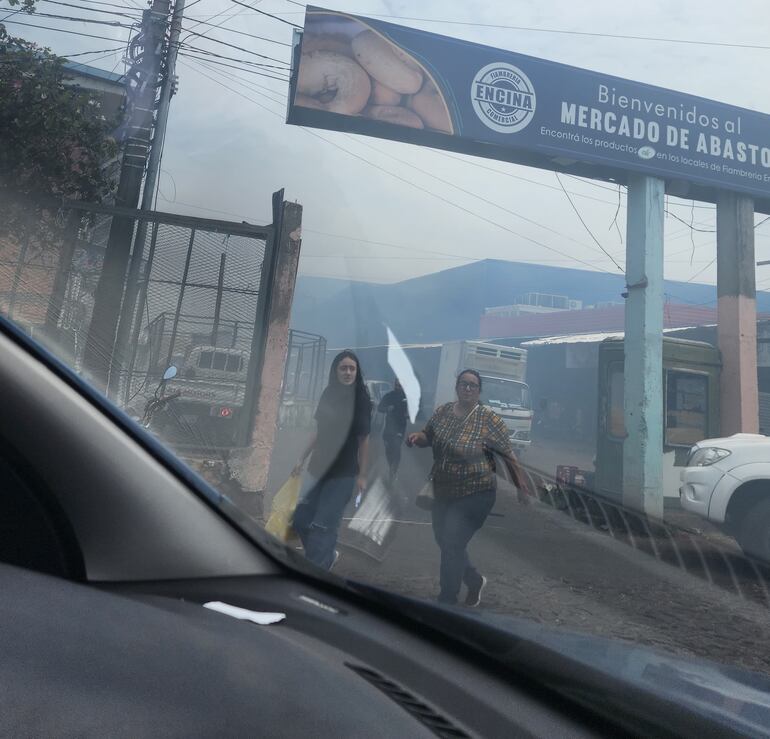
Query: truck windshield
{"type": "Point", "coordinates": [501, 393]}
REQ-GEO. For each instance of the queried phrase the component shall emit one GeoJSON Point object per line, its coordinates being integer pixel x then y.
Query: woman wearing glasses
{"type": "Point", "coordinates": [465, 437]}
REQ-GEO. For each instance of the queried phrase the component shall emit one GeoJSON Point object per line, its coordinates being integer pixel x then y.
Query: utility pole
{"type": "Point", "coordinates": [167, 90]}
{"type": "Point", "coordinates": [142, 80]}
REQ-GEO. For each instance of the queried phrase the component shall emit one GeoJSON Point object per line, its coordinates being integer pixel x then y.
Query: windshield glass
{"type": "Point", "coordinates": [362, 235]}
{"type": "Point", "coordinates": [503, 393]}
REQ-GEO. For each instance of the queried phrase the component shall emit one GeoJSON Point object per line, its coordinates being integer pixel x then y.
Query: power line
{"type": "Point", "coordinates": [701, 271]}
{"type": "Point", "coordinates": [409, 182]}
{"type": "Point", "coordinates": [467, 192]}
{"type": "Point", "coordinates": [240, 33]}
{"type": "Point", "coordinates": [690, 225]}
{"type": "Point", "coordinates": [133, 16]}
{"type": "Point", "coordinates": [585, 225]}
{"type": "Point", "coordinates": [96, 21]}
{"type": "Point", "coordinates": [593, 34]}
{"type": "Point", "coordinates": [232, 46]}
{"type": "Point", "coordinates": [60, 30]}
{"type": "Point", "coordinates": [473, 194]}
{"type": "Point", "coordinates": [252, 70]}
{"type": "Point", "coordinates": [107, 4]}
{"type": "Point", "coordinates": [66, 57]}
{"type": "Point", "coordinates": [206, 52]}
{"type": "Point", "coordinates": [85, 53]}
{"type": "Point", "coordinates": [98, 58]}
{"type": "Point", "coordinates": [207, 62]}
{"type": "Point", "coordinates": [269, 15]}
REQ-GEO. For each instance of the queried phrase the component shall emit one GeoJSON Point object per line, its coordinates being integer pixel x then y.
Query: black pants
{"type": "Point", "coordinates": [393, 444]}
{"type": "Point", "coordinates": [454, 524]}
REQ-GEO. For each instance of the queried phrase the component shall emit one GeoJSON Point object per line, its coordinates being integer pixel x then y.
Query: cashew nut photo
{"type": "Point", "coordinates": [382, 95]}
{"type": "Point", "coordinates": [394, 114]}
{"type": "Point", "coordinates": [386, 63]}
{"type": "Point", "coordinates": [429, 104]}
{"type": "Point", "coordinates": [334, 81]}
{"type": "Point", "coordinates": [349, 69]}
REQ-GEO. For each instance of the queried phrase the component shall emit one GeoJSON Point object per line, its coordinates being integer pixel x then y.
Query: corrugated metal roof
{"type": "Point", "coordinates": [590, 338]}
{"type": "Point", "coordinates": [85, 70]}
{"type": "Point", "coordinates": [588, 321]}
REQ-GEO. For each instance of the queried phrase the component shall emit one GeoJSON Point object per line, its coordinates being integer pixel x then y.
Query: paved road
{"type": "Point", "coordinates": [545, 566]}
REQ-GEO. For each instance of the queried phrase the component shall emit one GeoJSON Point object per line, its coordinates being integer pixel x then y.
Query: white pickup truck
{"type": "Point", "coordinates": [727, 481]}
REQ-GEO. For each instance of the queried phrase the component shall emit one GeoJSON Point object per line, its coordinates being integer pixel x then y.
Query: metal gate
{"type": "Point", "coordinates": [198, 286]}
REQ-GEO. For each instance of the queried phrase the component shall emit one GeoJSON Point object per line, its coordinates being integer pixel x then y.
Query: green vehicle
{"type": "Point", "coordinates": [691, 371]}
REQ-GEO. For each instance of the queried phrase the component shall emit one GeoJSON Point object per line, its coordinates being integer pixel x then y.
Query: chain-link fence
{"type": "Point", "coordinates": [302, 379]}
{"type": "Point", "coordinates": [193, 297]}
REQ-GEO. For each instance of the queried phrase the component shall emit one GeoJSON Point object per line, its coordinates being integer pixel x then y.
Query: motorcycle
{"type": "Point", "coordinates": [159, 400]}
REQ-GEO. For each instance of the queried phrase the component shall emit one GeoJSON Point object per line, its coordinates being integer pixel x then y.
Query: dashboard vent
{"type": "Point", "coordinates": [437, 723]}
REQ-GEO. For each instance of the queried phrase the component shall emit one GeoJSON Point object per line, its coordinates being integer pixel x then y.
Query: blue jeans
{"type": "Point", "coordinates": [455, 521]}
{"type": "Point", "coordinates": [318, 515]}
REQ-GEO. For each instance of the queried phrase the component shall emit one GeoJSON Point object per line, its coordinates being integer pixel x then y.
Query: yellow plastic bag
{"type": "Point", "coordinates": [284, 503]}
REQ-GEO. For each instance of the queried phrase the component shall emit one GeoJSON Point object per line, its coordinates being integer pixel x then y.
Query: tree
{"type": "Point", "coordinates": [54, 140]}
{"type": "Point", "coordinates": [54, 144]}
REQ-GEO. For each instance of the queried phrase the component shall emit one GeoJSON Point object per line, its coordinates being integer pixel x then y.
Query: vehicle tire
{"type": "Point", "coordinates": [753, 531]}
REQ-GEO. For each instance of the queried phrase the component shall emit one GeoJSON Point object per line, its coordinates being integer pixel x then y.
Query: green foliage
{"type": "Point", "coordinates": [54, 139]}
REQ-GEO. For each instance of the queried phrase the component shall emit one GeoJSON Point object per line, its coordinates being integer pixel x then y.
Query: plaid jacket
{"type": "Point", "coordinates": [462, 450]}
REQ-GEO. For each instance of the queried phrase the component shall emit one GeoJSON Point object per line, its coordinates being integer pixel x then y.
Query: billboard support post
{"type": "Point", "coordinates": [737, 314]}
{"type": "Point", "coordinates": [643, 366]}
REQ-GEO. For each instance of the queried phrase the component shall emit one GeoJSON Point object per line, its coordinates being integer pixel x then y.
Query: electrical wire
{"type": "Point", "coordinates": [592, 34]}
{"type": "Point", "coordinates": [255, 71]}
{"type": "Point", "coordinates": [585, 225]}
{"type": "Point", "coordinates": [690, 226]}
{"type": "Point", "coordinates": [233, 46]}
{"type": "Point", "coordinates": [239, 33]}
{"type": "Point", "coordinates": [269, 15]}
{"type": "Point", "coordinates": [135, 16]}
{"type": "Point", "coordinates": [206, 52]}
{"type": "Point", "coordinates": [96, 59]}
{"type": "Point", "coordinates": [207, 62]}
{"type": "Point", "coordinates": [65, 57]}
{"type": "Point", "coordinates": [407, 181]}
{"type": "Point", "coordinates": [96, 21]}
{"type": "Point", "coordinates": [61, 30]}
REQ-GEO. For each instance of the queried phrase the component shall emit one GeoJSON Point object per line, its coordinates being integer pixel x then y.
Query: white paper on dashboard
{"type": "Point", "coordinates": [263, 618]}
{"type": "Point", "coordinates": [402, 368]}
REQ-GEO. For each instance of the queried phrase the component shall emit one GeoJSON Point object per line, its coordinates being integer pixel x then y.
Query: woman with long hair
{"type": "Point", "coordinates": [339, 454]}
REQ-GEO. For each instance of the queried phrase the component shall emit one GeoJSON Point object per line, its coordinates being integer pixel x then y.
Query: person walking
{"type": "Point", "coordinates": [465, 437]}
{"type": "Point", "coordinates": [393, 405]}
{"type": "Point", "coordinates": [339, 453]}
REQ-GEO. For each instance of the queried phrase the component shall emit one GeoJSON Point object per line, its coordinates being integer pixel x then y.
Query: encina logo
{"type": "Point", "coordinates": [503, 97]}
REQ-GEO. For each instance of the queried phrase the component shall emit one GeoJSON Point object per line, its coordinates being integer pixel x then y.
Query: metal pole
{"type": "Point", "coordinates": [178, 311]}
{"type": "Point", "coordinates": [643, 366]}
{"type": "Point", "coordinates": [150, 182]}
{"type": "Point", "coordinates": [141, 91]}
{"type": "Point", "coordinates": [139, 310]}
{"type": "Point", "coordinates": [218, 306]}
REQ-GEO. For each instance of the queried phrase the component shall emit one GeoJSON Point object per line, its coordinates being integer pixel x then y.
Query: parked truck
{"type": "Point", "coordinates": [211, 384]}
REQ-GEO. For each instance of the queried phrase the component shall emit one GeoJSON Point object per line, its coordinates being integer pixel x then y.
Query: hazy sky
{"type": "Point", "coordinates": [228, 149]}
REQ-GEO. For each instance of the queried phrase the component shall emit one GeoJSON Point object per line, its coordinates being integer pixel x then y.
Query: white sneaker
{"type": "Point", "coordinates": [474, 594]}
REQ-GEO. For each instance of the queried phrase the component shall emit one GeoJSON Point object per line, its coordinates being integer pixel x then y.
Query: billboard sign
{"type": "Point", "coordinates": [366, 76]}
